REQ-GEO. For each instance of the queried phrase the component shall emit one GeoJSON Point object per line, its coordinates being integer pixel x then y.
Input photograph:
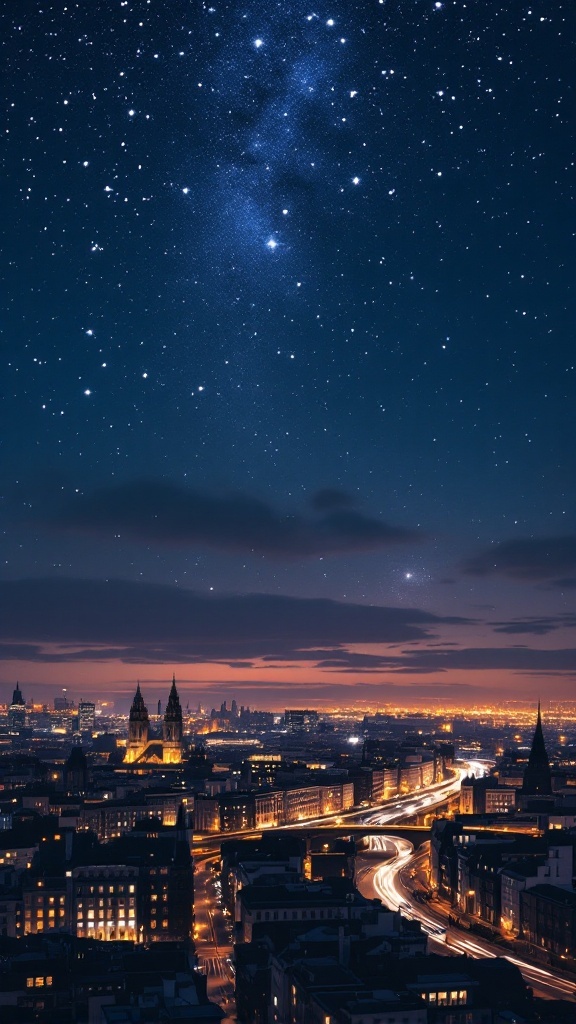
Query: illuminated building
{"type": "Point", "coordinates": [103, 905]}
{"type": "Point", "coordinates": [301, 721]}
{"type": "Point", "coordinates": [143, 750]}
{"type": "Point", "coordinates": [17, 712]}
{"type": "Point", "coordinates": [86, 716]}
{"type": "Point", "coordinates": [141, 891]}
{"type": "Point", "coordinates": [44, 906]}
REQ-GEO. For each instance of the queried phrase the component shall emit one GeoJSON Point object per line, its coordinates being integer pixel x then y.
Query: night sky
{"type": "Point", "coordinates": [288, 350]}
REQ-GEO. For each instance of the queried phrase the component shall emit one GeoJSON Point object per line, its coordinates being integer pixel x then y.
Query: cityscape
{"type": "Point", "coordinates": [288, 512]}
{"type": "Point", "coordinates": [233, 864]}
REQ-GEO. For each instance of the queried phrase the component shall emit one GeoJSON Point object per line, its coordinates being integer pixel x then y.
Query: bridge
{"type": "Point", "coordinates": [415, 834]}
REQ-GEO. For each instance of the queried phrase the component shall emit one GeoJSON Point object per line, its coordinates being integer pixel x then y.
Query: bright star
{"type": "Point", "coordinates": [272, 243]}
{"type": "Point", "coordinates": [87, 391]}
{"type": "Point", "coordinates": [355, 181]}
{"type": "Point", "coordinates": [258, 43]}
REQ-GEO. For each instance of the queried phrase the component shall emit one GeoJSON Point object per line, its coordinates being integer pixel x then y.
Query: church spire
{"type": "Point", "coordinates": [537, 778]}
{"type": "Point", "coordinates": [172, 730]}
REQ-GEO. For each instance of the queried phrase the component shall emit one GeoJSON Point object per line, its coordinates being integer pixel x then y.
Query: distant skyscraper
{"type": "Point", "coordinates": [17, 711]}
{"type": "Point", "coordinates": [62, 704]}
{"type": "Point", "coordinates": [537, 778]}
{"type": "Point", "coordinates": [301, 721]}
{"type": "Point", "coordinates": [86, 716]}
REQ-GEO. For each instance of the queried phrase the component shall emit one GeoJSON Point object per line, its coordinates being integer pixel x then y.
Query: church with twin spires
{"type": "Point", "coordinates": [143, 750]}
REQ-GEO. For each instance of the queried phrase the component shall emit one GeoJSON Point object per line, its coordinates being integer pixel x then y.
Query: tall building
{"type": "Point", "coordinates": [172, 728]}
{"type": "Point", "coordinates": [86, 716]}
{"type": "Point", "coordinates": [141, 748]}
{"type": "Point", "coordinates": [138, 727]}
{"type": "Point", "coordinates": [17, 711]}
{"type": "Point", "coordinates": [537, 778]}
{"type": "Point", "coordinates": [301, 721]}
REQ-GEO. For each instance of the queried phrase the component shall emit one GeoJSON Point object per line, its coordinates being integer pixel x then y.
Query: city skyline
{"type": "Point", "coordinates": [289, 378]}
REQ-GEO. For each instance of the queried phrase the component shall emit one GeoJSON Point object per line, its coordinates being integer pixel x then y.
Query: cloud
{"type": "Point", "coordinates": [535, 625]}
{"type": "Point", "coordinates": [104, 620]}
{"type": "Point", "coordinates": [535, 559]}
{"type": "Point", "coordinates": [166, 513]}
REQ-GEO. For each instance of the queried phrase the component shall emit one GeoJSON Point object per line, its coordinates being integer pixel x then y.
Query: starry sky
{"type": "Point", "coordinates": [287, 350]}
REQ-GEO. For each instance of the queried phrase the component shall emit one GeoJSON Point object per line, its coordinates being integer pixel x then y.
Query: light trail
{"type": "Point", "coordinates": [387, 883]}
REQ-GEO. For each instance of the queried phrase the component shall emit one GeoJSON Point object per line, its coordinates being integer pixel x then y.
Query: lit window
{"type": "Point", "coordinates": [29, 982]}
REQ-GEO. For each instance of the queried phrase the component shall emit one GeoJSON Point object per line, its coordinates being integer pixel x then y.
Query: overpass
{"type": "Point", "coordinates": [415, 834]}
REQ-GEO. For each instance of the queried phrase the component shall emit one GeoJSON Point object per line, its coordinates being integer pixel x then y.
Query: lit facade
{"type": "Point", "coordinates": [141, 749]}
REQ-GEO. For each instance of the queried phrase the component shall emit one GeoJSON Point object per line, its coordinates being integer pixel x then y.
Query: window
{"type": "Point", "coordinates": [29, 982]}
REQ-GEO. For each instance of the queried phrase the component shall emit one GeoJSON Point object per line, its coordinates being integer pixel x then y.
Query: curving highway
{"type": "Point", "coordinates": [387, 882]}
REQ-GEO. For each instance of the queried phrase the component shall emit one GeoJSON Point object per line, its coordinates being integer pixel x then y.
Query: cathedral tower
{"type": "Point", "coordinates": [537, 778]}
{"type": "Point", "coordinates": [172, 730]}
{"type": "Point", "coordinates": [138, 727]}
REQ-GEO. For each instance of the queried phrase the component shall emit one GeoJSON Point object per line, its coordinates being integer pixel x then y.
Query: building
{"type": "Point", "coordinates": [134, 889]}
{"type": "Point", "coordinates": [141, 748]}
{"type": "Point", "coordinates": [548, 920]}
{"type": "Point", "coordinates": [301, 721]}
{"type": "Point", "coordinates": [17, 712]}
{"type": "Point", "coordinates": [537, 780]}
{"type": "Point", "coordinates": [86, 716]}
{"type": "Point", "coordinates": [485, 796]}
{"type": "Point", "coordinates": [555, 868]}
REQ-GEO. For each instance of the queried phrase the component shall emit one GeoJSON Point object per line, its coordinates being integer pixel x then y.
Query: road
{"type": "Point", "coordinates": [212, 939]}
{"type": "Point", "coordinates": [212, 930]}
{"type": "Point", "coordinates": [391, 882]}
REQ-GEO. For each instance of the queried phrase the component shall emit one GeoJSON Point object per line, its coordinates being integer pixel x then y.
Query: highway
{"type": "Point", "coordinates": [392, 883]}
{"type": "Point", "coordinates": [212, 928]}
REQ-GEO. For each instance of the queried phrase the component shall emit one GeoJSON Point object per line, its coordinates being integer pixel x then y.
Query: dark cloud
{"type": "Point", "coordinates": [533, 559]}
{"type": "Point", "coordinates": [484, 659]}
{"type": "Point", "coordinates": [146, 622]}
{"type": "Point", "coordinates": [535, 625]}
{"type": "Point", "coordinates": [165, 513]}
